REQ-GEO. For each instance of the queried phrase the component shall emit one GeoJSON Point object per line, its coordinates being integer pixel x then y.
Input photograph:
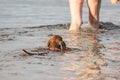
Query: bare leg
{"type": "Point", "coordinates": [76, 14]}
{"type": "Point", "coordinates": [94, 9]}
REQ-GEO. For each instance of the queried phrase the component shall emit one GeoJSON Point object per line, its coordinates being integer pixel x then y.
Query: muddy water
{"type": "Point", "coordinates": [97, 59]}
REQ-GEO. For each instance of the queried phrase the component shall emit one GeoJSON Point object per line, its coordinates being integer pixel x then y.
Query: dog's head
{"type": "Point", "coordinates": [56, 43]}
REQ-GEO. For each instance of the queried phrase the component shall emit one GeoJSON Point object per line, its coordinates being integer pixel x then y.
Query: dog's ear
{"type": "Point", "coordinates": [62, 46]}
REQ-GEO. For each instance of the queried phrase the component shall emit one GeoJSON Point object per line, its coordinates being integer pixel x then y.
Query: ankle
{"type": "Point", "coordinates": [94, 24]}
{"type": "Point", "coordinates": [75, 26]}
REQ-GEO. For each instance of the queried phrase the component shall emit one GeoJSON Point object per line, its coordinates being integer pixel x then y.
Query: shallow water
{"type": "Point", "coordinates": [85, 64]}
{"type": "Point", "coordinates": [26, 13]}
{"type": "Point", "coordinates": [97, 59]}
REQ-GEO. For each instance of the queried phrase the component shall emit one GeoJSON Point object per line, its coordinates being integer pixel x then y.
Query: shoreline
{"type": "Point", "coordinates": [66, 25]}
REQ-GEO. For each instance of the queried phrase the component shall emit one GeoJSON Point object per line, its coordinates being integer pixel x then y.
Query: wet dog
{"type": "Point", "coordinates": [56, 43]}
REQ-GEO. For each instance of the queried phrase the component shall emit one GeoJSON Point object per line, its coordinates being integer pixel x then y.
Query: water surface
{"type": "Point", "coordinates": [24, 13]}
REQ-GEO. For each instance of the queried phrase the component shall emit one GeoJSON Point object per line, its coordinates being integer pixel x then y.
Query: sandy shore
{"type": "Point", "coordinates": [97, 59]}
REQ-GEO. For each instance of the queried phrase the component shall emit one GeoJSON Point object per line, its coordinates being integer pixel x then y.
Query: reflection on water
{"type": "Point", "coordinates": [92, 62]}
{"type": "Point", "coordinates": [86, 64]}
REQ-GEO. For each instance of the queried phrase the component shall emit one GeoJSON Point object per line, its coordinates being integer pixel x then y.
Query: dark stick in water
{"type": "Point", "coordinates": [35, 53]}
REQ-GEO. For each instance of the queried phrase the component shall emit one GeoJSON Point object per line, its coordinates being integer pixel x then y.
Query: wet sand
{"type": "Point", "coordinates": [97, 59]}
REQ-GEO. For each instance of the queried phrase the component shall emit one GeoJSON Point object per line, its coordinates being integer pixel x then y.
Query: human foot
{"type": "Point", "coordinates": [88, 26]}
{"type": "Point", "coordinates": [75, 27]}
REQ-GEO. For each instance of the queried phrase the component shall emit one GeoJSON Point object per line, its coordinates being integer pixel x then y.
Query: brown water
{"type": "Point", "coordinates": [97, 59]}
